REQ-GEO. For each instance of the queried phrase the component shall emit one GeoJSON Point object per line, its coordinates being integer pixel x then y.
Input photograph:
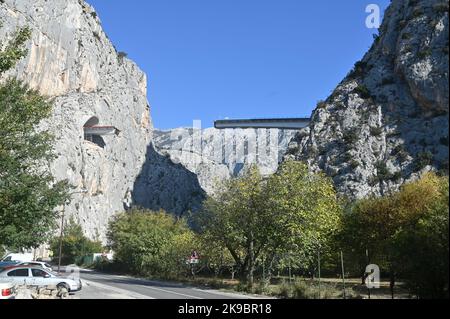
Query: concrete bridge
{"type": "Point", "coordinates": [282, 124]}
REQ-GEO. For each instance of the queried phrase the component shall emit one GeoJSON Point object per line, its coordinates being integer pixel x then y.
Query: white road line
{"type": "Point", "coordinates": [224, 294]}
{"type": "Point", "coordinates": [172, 292]}
{"type": "Point", "coordinates": [117, 290]}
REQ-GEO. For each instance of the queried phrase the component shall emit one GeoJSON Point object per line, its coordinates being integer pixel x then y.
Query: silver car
{"type": "Point", "coordinates": [37, 276]}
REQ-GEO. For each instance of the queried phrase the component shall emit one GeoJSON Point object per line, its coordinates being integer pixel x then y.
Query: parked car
{"type": "Point", "coordinates": [7, 264]}
{"type": "Point", "coordinates": [17, 257]}
{"type": "Point", "coordinates": [7, 291]}
{"type": "Point", "coordinates": [37, 276]}
{"type": "Point", "coordinates": [41, 264]}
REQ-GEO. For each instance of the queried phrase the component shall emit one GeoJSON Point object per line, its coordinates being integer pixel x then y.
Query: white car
{"type": "Point", "coordinates": [36, 276]}
{"type": "Point", "coordinates": [18, 257]}
{"type": "Point", "coordinates": [7, 291]}
{"type": "Point", "coordinates": [41, 264]}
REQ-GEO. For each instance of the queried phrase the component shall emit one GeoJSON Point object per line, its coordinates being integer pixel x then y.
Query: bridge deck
{"type": "Point", "coordinates": [286, 124]}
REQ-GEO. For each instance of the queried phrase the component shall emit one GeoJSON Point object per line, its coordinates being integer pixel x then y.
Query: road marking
{"type": "Point", "coordinates": [226, 294]}
{"type": "Point", "coordinates": [117, 290]}
{"type": "Point", "coordinates": [173, 292]}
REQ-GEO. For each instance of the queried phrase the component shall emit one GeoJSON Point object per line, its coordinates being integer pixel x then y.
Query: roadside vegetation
{"type": "Point", "coordinates": [288, 235]}
{"type": "Point", "coordinates": [76, 248]}
{"type": "Point", "coordinates": [28, 192]}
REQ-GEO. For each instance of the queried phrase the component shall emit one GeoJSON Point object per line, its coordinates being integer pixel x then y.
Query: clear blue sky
{"type": "Point", "coordinates": [212, 59]}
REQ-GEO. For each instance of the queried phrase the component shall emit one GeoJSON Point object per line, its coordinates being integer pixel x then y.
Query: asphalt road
{"type": "Point", "coordinates": [106, 286]}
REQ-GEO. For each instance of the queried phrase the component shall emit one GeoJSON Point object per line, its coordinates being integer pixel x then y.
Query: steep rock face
{"type": "Point", "coordinates": [387, 121]}
{"type": "Point", "coordinates": [215, 155]}
{"type": "Point", "coordinates": [71, 59]}
{"type": "Point", "coordinates": [165, 185]}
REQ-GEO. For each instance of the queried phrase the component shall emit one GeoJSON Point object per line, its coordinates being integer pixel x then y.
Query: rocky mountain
{"type": "Point", "coordinates": [71, 59]}
{"type": "Point", "coordinates": [215, 155]}
{"type": "Point", "coordinates": [387, 121]}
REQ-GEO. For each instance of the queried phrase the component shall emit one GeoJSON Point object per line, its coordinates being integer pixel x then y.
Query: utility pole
{"type": "Point", "coordinates": [368, 262]}
{"type": "Point", "coordinates": [60, 241]}
{"type": "Point", "coordinates": [343, 273]}
{"type": "Point", "coordinates": [62, 230]}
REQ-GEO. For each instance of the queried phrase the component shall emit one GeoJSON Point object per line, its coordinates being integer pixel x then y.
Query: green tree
{"type": "Point", "coordinates": [258, 219]}
{"type": "Point", "coordinates": [402, 231]}
{"type": "Point", "coordinates": [307, 214]}
{"type": "Point", "coordinates": [151, 243]}
{"type": "Point", "coordinates": [75, 245]}
{"type": "Point", "coordinates": [421, 248]}
{"type": "Point", "coordinates": [28, 192]}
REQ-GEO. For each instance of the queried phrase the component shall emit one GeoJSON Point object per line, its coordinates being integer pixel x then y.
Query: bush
{"type": "Point", "coordinates": [359, 69]}
{"type": "Point", "coordinates": [351, 136]}
{"type": "Point", "coordinates": [423, 160]}
{"type": "Point", "coordinates": [376, 131]}
{"type": "Point", "coordinates": [321, 105]}
{"type": "Point", "coordinates": [383, 172]}
{"type": "Point", "coordinates": [151, 244]}
{"type": "Point", "coordinates": [75, 245]}
{"type": "Point", "coordinates": [362, 91]}
{"type": "Point", "coordinates": [441, 7]}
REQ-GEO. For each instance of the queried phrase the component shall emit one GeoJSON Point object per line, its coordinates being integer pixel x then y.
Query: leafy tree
{"type": "Point", "coordinates": [74, 244]}
{"type": "Point", "coordinates": [150, 243]}
{"type": "Point", "coordinates": [28, 192]}
{"type": "Point", "coordinates": [390, 227]}
{"type": "Point", "coordinates": [258, 219]}
{"type": "Point", "coordinates": [307, 212]}
{"type": "Point", "coordinates": [14, 50]}
{"type": "Point", "coordinates": [215, 256]}
{"type": "Point", "coordinates": [421, 247]}
{"type": "Point", "coordinates": [238, 218]}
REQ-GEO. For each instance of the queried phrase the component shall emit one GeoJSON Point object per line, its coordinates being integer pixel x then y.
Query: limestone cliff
{"type": "Point", "coordinates": [71, 59]}
{"type": "Point", "coordinates": [215, 155]}
{"type": "Point", "coordinates": [387, 121]}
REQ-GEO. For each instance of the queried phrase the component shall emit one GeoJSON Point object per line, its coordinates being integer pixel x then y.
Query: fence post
{"type": "Point", "coordinates": [318, 260]}
{"type": "Point", "coordinates": [343, 273]}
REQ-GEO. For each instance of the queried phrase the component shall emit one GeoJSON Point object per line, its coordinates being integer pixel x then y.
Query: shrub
{"type": "Point", "coordinates": [351, 136]}
{"type": "Point", "coordinates": [354, 164]}
{"type": "Point", "coordinates": [321, 105]}
{"type": "Point", "coordinates": [401, 153]}
{"type": "Point", "coordinates": [362, 91]}
{"type": "Point", "coordinates": [422, 160]}
{"type": "Point", "coordinates": [75, 245]}
{"type": "Point", "coordinates": [417, 12]}
{"type": "Point", "coordinates": [383, 172]}
{"type": "Point", "coordinates": [441, 7]}
{"type": "Point", "coordinates": [151, 243]}
{"type": "Point", "coordinates": [122, 55]}
{"type": "Point", "coordinates": [376, 131]}
{"type": "Point", "coordinates": [406, 36]}
{"type": "Point", "coordinates": [423, 54]}
{"type": "Point", "coordinates": [359, 69]}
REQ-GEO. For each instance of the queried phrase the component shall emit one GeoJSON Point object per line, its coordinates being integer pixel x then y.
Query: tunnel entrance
{"type": "Point", "coordinates": [94, 133]}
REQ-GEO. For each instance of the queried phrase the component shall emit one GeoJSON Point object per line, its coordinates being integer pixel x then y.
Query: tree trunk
{"type": "Point", "coordinates": [251, 262]}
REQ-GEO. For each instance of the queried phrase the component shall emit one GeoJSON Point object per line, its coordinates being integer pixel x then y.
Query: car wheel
{"type": "Point", "coordinates": [63, 285]}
